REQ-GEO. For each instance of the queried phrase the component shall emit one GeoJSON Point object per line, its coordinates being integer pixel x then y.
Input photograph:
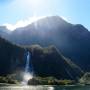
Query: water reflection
{"type": "Point", "coordinates": [26, 88]}
{"type": "Point", "coordinates": [45, 88]}
{"type": "Point", "coordinates": [50, 88]}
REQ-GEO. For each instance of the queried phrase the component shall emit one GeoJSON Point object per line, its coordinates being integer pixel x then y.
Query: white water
{"type": "Point", "coordinates": [28, 69]}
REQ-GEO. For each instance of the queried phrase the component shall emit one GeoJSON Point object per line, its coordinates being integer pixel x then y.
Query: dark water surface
{"type": "Point", "coordinates": [44, 87]}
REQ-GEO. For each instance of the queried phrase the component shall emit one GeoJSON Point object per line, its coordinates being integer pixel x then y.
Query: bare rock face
{"type": "Point", "coordinates": [85, 79]}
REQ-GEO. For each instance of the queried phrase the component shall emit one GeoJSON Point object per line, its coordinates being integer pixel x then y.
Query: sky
{"type": "Point", "coordinates": [19, 13]}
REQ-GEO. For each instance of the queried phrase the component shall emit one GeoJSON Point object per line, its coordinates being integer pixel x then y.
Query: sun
{"type": "Point", "coordinates": [34, 4]}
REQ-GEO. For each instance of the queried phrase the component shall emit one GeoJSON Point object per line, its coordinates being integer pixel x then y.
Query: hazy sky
{"type": "Point", "coordinates": [18, 12]}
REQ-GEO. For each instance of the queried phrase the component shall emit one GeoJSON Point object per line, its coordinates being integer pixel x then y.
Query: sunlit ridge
{"type": "Point", "coordinates": [22, 23]}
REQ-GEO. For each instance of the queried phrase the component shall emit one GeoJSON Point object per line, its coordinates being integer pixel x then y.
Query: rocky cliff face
{"type": "Point", "coordinates": [11, 57]}
{"type": "Point", "coordinates": [50, 62]}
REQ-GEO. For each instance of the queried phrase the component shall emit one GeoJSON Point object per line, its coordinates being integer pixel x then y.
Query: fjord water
{"type": "Point", "coordinates": [45, 88]}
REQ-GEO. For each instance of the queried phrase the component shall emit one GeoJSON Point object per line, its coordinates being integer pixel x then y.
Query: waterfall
{"type": "Point", "coordinates": [27, 62]}
{"type": "Point", "coordinates": [28, 73]}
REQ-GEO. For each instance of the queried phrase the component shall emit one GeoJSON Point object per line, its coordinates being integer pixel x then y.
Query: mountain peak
{"type": "Point", "coordinates": [81, 27]}
{"type": "Point", "coordinates": [52, 19]}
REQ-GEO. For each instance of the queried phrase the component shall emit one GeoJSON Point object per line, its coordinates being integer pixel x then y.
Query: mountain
{"type": "Point", "coordinates": [45, 61]}
{"type": "Point", "coordinates": [4, 32]}
{"type": "Point", "coordinates": [49, 61]}
{"type": "Point", "coordinates": [11, 57]}
{"type": "Point", "coordinates": [73, 40]}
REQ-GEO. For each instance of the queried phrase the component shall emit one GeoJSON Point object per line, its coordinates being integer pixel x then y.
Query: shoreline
{"type": "Point", "coordinates": [74, 85]}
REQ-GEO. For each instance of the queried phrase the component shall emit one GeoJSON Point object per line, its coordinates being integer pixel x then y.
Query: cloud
{"type": "Point", "coordinates": [22, 23]}
{"type": "Point", "coordinates": [64, 18]}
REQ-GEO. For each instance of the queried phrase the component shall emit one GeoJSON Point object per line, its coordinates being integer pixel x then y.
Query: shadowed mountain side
{"type": "Point", "coordinates": [45, 61]}
{"type": "Point", "coordinates": [50, 62]}
{"type": "Point", "coordinates": [11, 57]}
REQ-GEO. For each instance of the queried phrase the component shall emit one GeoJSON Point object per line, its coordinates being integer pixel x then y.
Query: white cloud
{"type": "Point", "coordinates": [22, 23]}
{"type": "Point", "coordinates": [64, 18]}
